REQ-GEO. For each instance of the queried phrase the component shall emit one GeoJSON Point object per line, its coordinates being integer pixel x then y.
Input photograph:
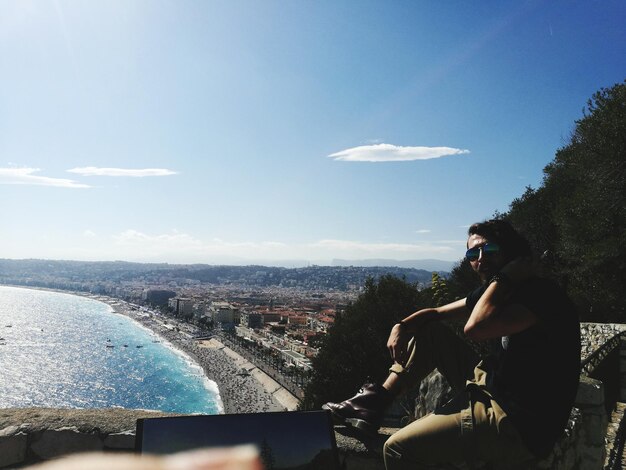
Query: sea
{"type": "Point", "coordinates": [66, 351]}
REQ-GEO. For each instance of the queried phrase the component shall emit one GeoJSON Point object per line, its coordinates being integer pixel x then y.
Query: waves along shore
{"type": "Point", "coordinates": [240, 391]}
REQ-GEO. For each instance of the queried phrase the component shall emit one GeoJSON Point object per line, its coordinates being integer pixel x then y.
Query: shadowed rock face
{"type": "Point", "coordinates": [434, 392]}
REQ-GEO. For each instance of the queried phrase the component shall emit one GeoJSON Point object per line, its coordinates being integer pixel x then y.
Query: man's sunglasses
{"type": "Point", "coordinates": [488, 249]}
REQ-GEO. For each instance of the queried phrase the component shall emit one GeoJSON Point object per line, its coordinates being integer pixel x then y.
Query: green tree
{"type": "Point", "coordinates": [461, 281]}
{"type": "Point", "coordinates": [577, 218]}
{"type": "Point", "coordinates": [355, 346]}
{"type": "Point", "coordinates": [530, 214]}
{"type": "Point", "coordinates": [439, 289]}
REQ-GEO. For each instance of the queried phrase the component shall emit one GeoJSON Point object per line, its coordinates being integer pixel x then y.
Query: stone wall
{"type": "Point", "coordinates": [594, 335]}
{"type": "Point", "coordinates": [30, 435]}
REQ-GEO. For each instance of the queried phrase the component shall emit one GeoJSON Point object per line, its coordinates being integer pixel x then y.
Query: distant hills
{"type": "Point", "coordinates": [90, 275]}
{"type": "Point", "coordinates": [431, 265]}
{"type": "Point", "coordinates": [425, 264]}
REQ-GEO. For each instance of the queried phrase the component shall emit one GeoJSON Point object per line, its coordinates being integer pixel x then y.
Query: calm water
{"type": "Point", "coordinates": [53, 353]}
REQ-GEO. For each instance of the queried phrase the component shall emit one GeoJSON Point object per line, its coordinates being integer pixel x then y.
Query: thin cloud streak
{"type": "Point", "coordinates": [137, 173]}
{"type": "Point", "coordinates": [451, 242]}
{"type": "Point", "coordinates": [393, 153]}
{"type": "Point", "coordinates": [177, 241]}
{"type": "Point", "coordinates": [176, 245]}
{"type": "Point", "coordinates": [407, 248]}
{"type": "Point", "coordinates": [25, 176]}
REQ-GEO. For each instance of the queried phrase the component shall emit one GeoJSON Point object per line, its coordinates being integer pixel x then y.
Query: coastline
{"type": "Point", "coordinates": [240, 391]}
{"type": "Point", "coordinates": [248, 392]}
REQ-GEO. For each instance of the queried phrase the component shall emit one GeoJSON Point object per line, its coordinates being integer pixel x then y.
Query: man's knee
{"type": "Point", "coordinates": [393, 453]}
{"type": "Point", "coordinates": [390, 449]}
{"type": "Point", "coordinates": [405, 450]}
{"type": "Point", "coordinates": [423, 346]}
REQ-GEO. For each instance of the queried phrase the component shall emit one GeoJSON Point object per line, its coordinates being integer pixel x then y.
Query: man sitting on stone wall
{"type": "Point", "coordinates": [510, 407]}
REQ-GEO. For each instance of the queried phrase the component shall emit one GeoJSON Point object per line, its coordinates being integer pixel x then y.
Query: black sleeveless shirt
{"type": "Point", "coordinates": [534, 374]}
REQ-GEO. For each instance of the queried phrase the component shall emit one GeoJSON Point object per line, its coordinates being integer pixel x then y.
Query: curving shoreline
{"type": "Point", "coordinates": [242, 387]}
{"type": "Point", "coordinates": [249, 392]}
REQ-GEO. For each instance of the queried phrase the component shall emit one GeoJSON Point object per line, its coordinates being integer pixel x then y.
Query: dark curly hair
{"type": "Point", "coordinates": [501, 232]}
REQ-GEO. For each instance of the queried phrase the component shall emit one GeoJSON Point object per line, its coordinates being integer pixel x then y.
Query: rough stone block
{"type": "Point", "coordinates": [64, 441]}
{"type": "Point", "coordinates": [9, 431]}
{"type": "Point", "coordinates": [353, 462]}
{"type": "Point", "coordinates": [120, 441]}
{"type": "Point", "coordinates": [595, 426]}
{"type": "Point", "coordinates": [285, 398]}
{"type": "Point", "coordinates": [590, 392]}
{"type": "Point", "coordinates": [13, 449]}
{"type": "Point", "coordinates": [592, 458]}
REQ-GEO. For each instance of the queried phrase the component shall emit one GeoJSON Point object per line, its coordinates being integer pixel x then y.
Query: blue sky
{"type": "Point", "coordinates": [249, 131]}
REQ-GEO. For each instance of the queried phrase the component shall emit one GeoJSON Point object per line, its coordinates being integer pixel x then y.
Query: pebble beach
{"type": "Point", "coordinates": [243, 388]}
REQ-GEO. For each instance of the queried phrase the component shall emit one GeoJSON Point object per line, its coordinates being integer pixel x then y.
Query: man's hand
{"type": "Point", "coordinates": [402, 332]}
{"type": "Point", "coordinates": [398, 342]}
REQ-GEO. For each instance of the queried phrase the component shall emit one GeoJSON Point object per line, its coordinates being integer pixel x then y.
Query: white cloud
{"type": "Point", "coordinates": [183, 246]}
{"type": "Point", "coordinates": [451, 242]}
{"type": "Point", "coordinates": [140, 173]}
{"type": "Point", "coordinates": [423, 231]}
{"type": "Point", "coordinates": [393, 153]}
{"type": "Point", "coordinates": [357, 248]}
{"type": "Point", "coordinates": [151, 242]}
{"type": "Point", "coordinates": [25, 176]}
{"type": "Point", "coordinates": [89, 234]}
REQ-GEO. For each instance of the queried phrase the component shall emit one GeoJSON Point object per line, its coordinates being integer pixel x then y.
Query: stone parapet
{"type": "Point", "coordinates": [615, 435]}
{"type": "Point", "coordinates": [30, 435]}
{"type": "Point", "coordinates": [594, 335]}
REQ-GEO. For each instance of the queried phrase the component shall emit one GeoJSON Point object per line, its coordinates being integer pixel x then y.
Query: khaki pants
{"type": "Point", "coordinates": [470, 429]}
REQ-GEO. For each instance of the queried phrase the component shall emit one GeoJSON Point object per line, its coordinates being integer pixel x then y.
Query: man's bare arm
{"type": "Point", "coordinates": [453, 311]}
{"type": "Point", "coordinates": [402, 332]}
{"type": "Point", "coordinates": [493, 317]}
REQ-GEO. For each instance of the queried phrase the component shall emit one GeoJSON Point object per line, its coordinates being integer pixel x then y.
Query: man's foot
{"type": "Point", "coordinates": [363, 411]}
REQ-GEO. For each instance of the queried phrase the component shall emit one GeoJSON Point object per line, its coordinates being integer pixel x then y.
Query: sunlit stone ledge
{"type": "Point", "coordinates": [29, 435]}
